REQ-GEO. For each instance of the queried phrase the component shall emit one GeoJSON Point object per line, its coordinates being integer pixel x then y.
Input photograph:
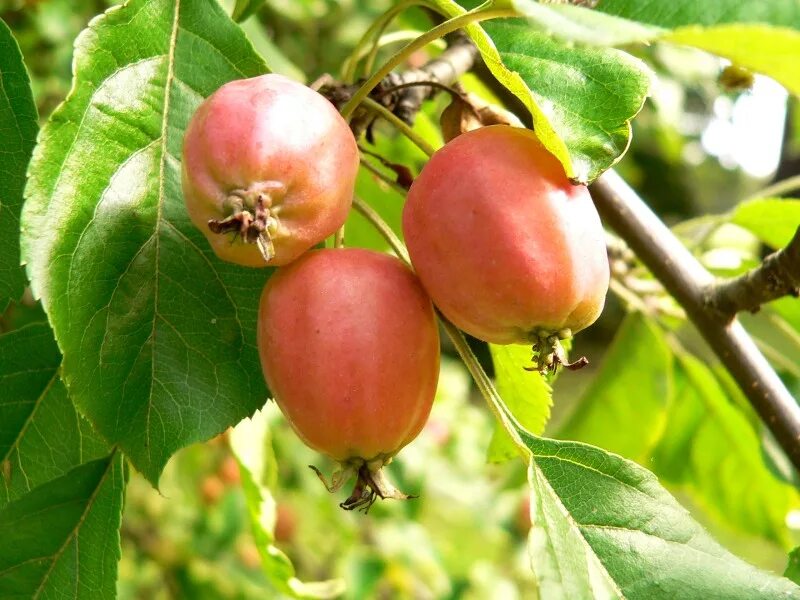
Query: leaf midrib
{"type": "Point", "coordinates": [73, 533]}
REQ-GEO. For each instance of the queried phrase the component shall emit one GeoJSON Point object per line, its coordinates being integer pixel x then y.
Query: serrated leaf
{"type": "Point", "coordinates": [157, 334]}
{"type": "Point", "coordinates": [587, 95]}
{"type": "Point", "coordinates": [723, 445]}
{"type": "Point", "coordinates": [41, 435]}
{"type": "Point", "coordinates": [769, 50]}
{"type": "Point", "coordinates": [607, 529]}
{"type": "Point", "coordinates": [526, 394]}
{"type": "Point", "coordinates": [581, 99]}
{"type": "Point", "coordinates": [677, 13]}
{"type": "Point", "coordinates": [252, 446]}
{"type": "Point", "coordinates": [760, 36]}
{"type": "Point", "coordinates": [772, 220]}
{"type": "Point", "coordinates": [245, 8]}
{"type": "Point", "coordinates": [18, 128]}
{"type": "Point", "coordinates": [583, 25]}
{"type": "Point", "coordinates": [262, 41]}
{"type": "Point", "coordinates": [61, 540]}
{"type": "Point", "coordinates": [625, 408]}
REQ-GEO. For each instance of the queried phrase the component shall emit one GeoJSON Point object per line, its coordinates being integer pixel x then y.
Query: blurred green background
{"type": "Point", "coordinates": [464, 537]}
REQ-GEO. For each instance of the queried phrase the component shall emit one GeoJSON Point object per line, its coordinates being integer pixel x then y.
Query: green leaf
{"type": "Point", "coordinates": [584, 26]}
{"type": "Point", "coordinates": [789, 310]}
{"type": "Point", "coordinates": [722, 446]}
{"type": "Point", "coordinates": [41, 435]}
{"type": "Point", "coordinates": [587, 95]}
{"type": "Point", "coordinates": [245, 8]}
{"type": "Point", "coordinates": [670, 458]}
{"type": "Point", "coordinates": [252, 446]}
{"type": "Point", "coordinates": [263, 43]}
{"type": "Point", "coordinates": [61, 540]}
{"type": "Point", "coordinates": [526, 394]}
{"type": "Point", "coordinates": [157, 334]}
{"type": "Point", "coordinates": [581, 99]}
{"type": "Point", "coordinates": [18, 131]}
{"type": "Point", "coordinates": [772, 51]}
{"type": "Point", "coordinates": [603, 527]}
{"type": "Point", "coordinates": [761, 36]}
{"type": "Point", "coordinates": [793, 566]}
{"type": "Point", "coordinates": [772, 220]}
{"type": "Point", "coordinates": [677, 13]}
{"type": "Point", "coordinates": [775, 336]}
{"type": "Point", "coordinates": [625, 408]}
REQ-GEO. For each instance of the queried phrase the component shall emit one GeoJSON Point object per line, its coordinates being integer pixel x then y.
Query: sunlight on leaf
{"type": "Point", "coordinates": [526, 394]}
{"type": "Point", "coordinates": [62, 539]}
{"type": "Point", "coordinates": [18, 129]}
{"type": "Point", "coordinates": [158, 335]}
{"type": "Point", "coordinates": [252, 446]}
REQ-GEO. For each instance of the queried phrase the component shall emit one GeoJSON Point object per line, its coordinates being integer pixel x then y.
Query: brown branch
{"type": "Point", "coordinates": [457, 59]}
{"type": "Point", "coordinates": [777, 276]}
{"type": "Point", "coordinates": [688, 281]}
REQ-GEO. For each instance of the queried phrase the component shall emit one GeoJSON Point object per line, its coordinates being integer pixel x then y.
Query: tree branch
{"type": "Point", "coordinates": [688, 281]}
{"type": "Point", "coordinates": [777, 276]}
{"type": "Point", "coordinates": [457, 59]}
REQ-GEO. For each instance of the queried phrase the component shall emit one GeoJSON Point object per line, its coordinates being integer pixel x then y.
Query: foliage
{"type": "Point", "coordinates": [147, 341]}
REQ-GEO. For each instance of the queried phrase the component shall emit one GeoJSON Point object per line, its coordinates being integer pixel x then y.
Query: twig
{"type": "Point", "coordinates": [445, 70]}
{"type": "Point", "coordinates": [777, 276]}
{"type": "Point", "coordinates": [400, 125]}
{"type": "Point", "coordinates": [482, 380]}
{"type": "Point", "coordinates": [385, 178]}
{"type": "Point", "coordinates": [688, 281]}
{"type": "Point", "coordinates": [779, 188]}
{"type": "Point", "coordinates": [403, 93]}
{"type": "Point", "coordinates": [371, 215]}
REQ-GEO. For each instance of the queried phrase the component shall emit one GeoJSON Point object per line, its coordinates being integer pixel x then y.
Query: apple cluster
{"type": "Point", "coordinates": [500, 241]}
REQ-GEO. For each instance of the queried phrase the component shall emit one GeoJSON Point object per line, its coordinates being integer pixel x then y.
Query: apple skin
{"type": "Point", "coordinates": [504, 244]}
{"type": "Point", "coordinates": [349, 346]}
{"type": "Point", "coordinates": [274, 136]}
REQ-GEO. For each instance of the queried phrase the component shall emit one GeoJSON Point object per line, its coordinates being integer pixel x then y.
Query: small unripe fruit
{"type": "Point", "coordinates": [350, 349]}
{"type": "Point", "coordinates": [229, 471]}
{"type": "Point", "coordinates": [508, 249]}
{"type": "Point", "coordinates": [269, 169]}
{"type": "Point", "coordinates": [211, 489]}
{"type": "Point", "coordinates": [285, 523]}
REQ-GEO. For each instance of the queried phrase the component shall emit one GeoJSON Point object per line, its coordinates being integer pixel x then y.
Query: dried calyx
{"type": "Point", "coordinates": [252, 216]}
{"type": "Point", "coordinates": [549, 353]}
{"type": "Point", "coordinates": [371, 483]}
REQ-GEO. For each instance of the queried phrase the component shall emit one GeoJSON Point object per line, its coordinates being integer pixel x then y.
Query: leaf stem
{"type": "Point", "coordinates": [371, 215]}
{"type": "Point", "coordinates": [374, 32]}
{"type": "Point", "coordinates": [485, 385]}
{"type": "Point", "coordinates": [778, 188]}
{"type": "Point", "coordinates": [383, 177]}
{"type": "Point", "coordinates": [401, 125]}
